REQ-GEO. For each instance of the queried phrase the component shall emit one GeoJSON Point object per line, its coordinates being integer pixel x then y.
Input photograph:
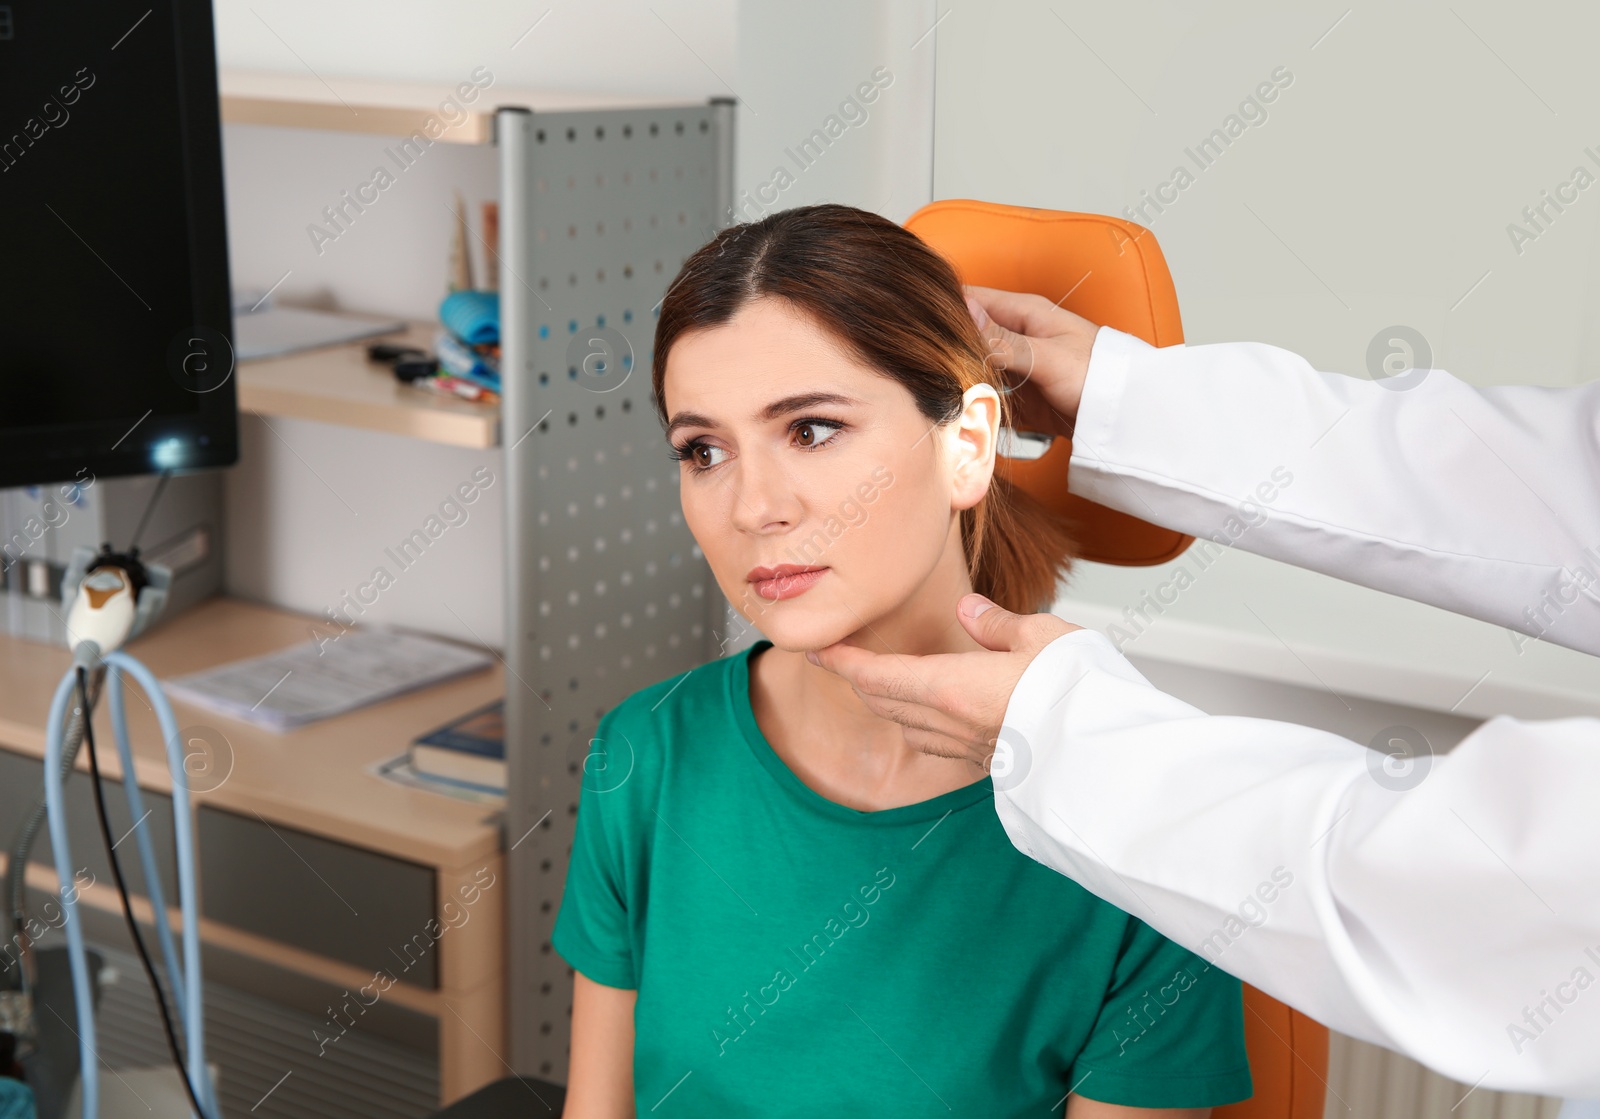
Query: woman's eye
{"type": "Point", "coordinates": [814, 433]}
{"type": "Point", "coordinates": [806, 434]}
{"type": "Point", "coordinates": [704, 455]}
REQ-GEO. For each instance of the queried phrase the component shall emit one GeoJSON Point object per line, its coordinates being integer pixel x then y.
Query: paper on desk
{"type": "Point", "coordinates": [304, 683]}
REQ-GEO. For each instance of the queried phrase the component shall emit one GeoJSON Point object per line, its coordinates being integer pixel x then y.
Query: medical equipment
{"type": "Point", "coordinates": [110, 598]}
{"type": "Point", "coordinates": [107, 372]}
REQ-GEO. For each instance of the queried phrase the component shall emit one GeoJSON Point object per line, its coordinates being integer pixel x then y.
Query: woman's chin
{"type": "Point", "coordinates": [803, 633]}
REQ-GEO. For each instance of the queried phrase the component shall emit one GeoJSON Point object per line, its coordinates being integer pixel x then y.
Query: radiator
{"type": "Point", "coordinates": [255, 1042]}
{"type": "Point", "coordinates": [1368, 1082]}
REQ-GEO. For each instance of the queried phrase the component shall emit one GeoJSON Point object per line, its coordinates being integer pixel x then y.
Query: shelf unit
{"type": "Point", "coordinates": [601, 201]}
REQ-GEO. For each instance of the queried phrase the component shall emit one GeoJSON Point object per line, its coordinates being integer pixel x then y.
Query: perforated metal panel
{"type": "Point", "coordinates": [606, 591]}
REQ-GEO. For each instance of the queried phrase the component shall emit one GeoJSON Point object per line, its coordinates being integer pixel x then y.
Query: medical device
{"type": "Point", "coordinates": [110, 597]}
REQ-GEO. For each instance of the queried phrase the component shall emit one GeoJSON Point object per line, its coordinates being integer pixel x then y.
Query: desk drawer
{"type": "Point", "coordinates": [22, 777]}
{"type": "Point", "coordinates": [343, 902]}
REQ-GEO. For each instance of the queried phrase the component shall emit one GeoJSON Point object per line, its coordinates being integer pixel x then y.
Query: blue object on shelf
{"type": "Point", "coordinates": [457, 359]}
{"type": "Point", "coordinates": [472, 316]}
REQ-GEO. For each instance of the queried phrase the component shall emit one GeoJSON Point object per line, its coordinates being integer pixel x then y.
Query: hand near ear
{"type": "Point", "coordinates": [1045, 346]}
{"type": "Point", "coordinates": [951, 704]}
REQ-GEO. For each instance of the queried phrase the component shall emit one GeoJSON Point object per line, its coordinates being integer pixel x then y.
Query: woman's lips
{"type": "Point", "coordinates": [784, 581]}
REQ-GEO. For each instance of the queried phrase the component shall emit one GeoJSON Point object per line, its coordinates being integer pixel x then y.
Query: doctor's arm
{"type": "Point", "coordinates": [1484, 501]}
{"type": "Point", "coordinates": [1451, 914]}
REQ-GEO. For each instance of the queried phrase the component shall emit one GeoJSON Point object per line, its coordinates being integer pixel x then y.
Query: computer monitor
{"type": "Point", "coordinates": [115, 326]}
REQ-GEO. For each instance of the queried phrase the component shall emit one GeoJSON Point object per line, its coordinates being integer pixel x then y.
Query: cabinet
{"type": "Point", "coordinates": [344, 885]}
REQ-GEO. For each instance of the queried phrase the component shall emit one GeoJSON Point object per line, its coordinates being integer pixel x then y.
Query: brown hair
{"type": "Point", "coordinates": [898, 305]}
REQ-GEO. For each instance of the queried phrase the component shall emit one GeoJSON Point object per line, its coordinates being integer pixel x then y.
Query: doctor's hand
{"type": "Point", "coordinates": [1046, 347]}
{"type": "Point", "coordinates": [951, 704]}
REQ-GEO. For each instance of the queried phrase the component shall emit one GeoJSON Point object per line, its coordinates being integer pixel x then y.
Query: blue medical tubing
{"type": "Point", "coordinates": [82, 996]}
{"type": "Point", "coordinates": [188, 990]}
{"type": "Point", "coordinates": [147, 855]}
{"type": "Point", "coordinates": [193, 1009]}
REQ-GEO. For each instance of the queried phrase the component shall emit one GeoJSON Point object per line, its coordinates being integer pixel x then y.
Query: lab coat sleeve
{"type": "Point", "coordinates": [1485, 501]}
{"type": "Point", "coordinates": [1457, 919]}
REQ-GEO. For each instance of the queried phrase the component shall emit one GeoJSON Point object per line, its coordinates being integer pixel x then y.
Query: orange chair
{"type": "Point", "coordinates": [1112, 272]}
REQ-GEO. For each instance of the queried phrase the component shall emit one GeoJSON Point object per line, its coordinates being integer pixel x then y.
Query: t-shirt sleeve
{"type": "Point", "coordinates": [592, 931]}
{"type": "Point", "coordinates": [1170, 1032]}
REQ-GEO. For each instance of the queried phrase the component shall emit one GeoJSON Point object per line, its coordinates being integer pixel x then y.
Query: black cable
{"type": "Point", "coordinates": [149, 507]}
{"type": "Point", "coordinates": [122, 890]}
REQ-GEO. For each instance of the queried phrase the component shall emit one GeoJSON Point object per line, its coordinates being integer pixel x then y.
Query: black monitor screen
{"type": "Point", "coordinates": [114, 316]}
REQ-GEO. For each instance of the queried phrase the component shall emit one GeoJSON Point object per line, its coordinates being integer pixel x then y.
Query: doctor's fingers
{"type": "Point", "coordinates": [1006, 349]}
{"type": "Point", "coordinates": [940, 746]}
{"type": "Point", "coordinates": [1025, 312]}
{"type": "Point", "coordinates": [934, 732]}
{"type": "Point", "coordinates": [1036, 341]}
{"type": "Point", "coordinates": [959, 691]}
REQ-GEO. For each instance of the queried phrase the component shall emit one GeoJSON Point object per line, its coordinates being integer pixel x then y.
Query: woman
{"type": "Point", "coordinates": [776, 907]}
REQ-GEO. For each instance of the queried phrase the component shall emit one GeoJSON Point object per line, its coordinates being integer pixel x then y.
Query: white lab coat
{"type": "Point", "coordinates": [1457, 921]}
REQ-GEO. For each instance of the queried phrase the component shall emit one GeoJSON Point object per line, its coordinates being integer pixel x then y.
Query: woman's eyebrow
{"type": "Point", "coordinates": [782, 407]}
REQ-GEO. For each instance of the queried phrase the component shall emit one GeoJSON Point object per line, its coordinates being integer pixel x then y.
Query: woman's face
{"type": "Point", "coordinates": [822, 498]}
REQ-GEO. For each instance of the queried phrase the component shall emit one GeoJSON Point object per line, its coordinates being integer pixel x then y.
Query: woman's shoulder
{"type": "Point", "coordinates": [693, 694]}
{"type": "Point", "coordinates": [663, 725]}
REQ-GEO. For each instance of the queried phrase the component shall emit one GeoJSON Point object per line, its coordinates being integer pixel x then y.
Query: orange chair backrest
{"type": "Point", "coordinates": [1109, 271]}
{"type": "Point", "coordinates": [1112, 272]}
{"type": "Point", "coordinates": [1288, 1062]}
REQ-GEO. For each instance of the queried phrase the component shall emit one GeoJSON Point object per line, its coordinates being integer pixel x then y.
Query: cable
{"type": "Point", "coordinates": [16, 898]}
{"type": "Point", "coordinates": [149, 507]}
{"type": "Point", "coordinates": [122, 891]}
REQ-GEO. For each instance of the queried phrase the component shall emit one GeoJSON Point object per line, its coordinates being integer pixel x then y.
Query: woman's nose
{"type": "Point", "coordinates": [764, 498]}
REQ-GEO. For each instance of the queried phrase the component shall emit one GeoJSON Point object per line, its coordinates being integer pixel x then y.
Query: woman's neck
{"type": "Point", "coordinates": [829, 737]}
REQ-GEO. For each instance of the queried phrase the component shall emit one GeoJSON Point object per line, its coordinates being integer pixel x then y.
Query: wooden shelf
{"type": "Point", "coordinates": [314, 778]}
{"type": "Point", "coordinates": [338, 385]}
{"type": "Point", "coordinates": [390, 108]}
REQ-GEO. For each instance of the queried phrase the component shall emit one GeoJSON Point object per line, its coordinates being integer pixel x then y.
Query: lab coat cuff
{"type": "Point", "coordinates": [1104, 385]}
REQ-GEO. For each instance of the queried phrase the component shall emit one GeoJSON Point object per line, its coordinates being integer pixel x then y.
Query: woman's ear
{"type": "Point", "coordinates": [971, 442]}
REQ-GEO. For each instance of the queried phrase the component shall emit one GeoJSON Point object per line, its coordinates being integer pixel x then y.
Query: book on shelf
{"type": "Point", "coordinates": [471, 749]}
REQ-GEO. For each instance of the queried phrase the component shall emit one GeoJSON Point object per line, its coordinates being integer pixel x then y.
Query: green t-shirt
{"type": "Point", "coordinates": [797, 957]}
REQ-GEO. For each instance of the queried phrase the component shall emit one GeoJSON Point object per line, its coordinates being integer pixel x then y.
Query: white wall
{"type": "Point", "coordinates": [390, 260]}
{"type": "Point", "coordinates": [798, 66]}
{"type": "Point", "coordinates": [1377, 190]}
{"type": "Point", "coordinates": [647, 48]}
{"type": "Point", "coordinates": [313, 511]}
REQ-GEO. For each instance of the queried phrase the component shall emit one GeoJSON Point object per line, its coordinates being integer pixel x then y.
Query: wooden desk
{"type": "Point", "coordinates": [311, 787]}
